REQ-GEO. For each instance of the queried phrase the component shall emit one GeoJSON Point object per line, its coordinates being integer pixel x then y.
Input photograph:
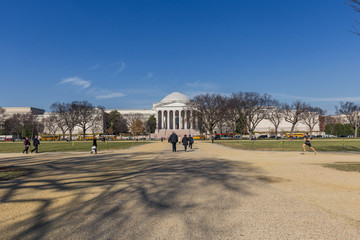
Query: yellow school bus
{"type": "Point", "coordinates": [49, 138]}
{"type": "Point", "coordinates": [296, 135]}
{"type": "Point", "coordinates": [199, 137]}
{"type": "Point", "coordinates": [87, 138]}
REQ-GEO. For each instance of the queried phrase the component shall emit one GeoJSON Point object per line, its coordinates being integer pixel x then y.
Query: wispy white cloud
{"type": "Point", "coordinates": [120, 66]}
{"type": "Point", "coordinates": [110, 95]}
{"type": "Point", "coordinates": [76, 81]}
{"type": "Point", "coordinates": [149, 75]}
{"type": "Point", "coordinates": [96, 66]}
{"type": "Point", "coordinates": [201, 85]}
{"type": "Point", "coordinates": [314, 99]}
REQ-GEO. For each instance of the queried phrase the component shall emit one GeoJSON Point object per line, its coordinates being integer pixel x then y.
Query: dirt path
{"type": "Point", "coordinates": [211, 192]}
{"type": "Point", "coordinates": [304, 176]}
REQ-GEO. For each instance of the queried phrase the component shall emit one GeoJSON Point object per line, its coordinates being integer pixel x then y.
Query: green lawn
{"type": "Point", "coordinates": [323, 145]}
{"type": "Point", "coordinates": [345, 166]}
{"type": "Point", "coordinates": [60, 146]}
{"type": "Point", "coordinates": [7, 173]}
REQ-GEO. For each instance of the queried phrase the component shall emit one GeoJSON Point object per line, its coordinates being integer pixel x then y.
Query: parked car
{"type": "Point", "coordinates": [329, 136]}
{"type": "Point", "coordinates": [262, 137]}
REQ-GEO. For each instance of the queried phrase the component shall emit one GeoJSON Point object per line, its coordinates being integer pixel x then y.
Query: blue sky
{"type": "Point", "coordinates": [130, 54]}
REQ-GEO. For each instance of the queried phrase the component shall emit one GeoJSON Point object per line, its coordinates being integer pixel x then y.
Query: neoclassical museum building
{"type": "Point", "coordinates": [173, 114]}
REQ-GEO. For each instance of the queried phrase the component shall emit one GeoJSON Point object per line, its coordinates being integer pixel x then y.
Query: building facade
{"type": "Point", "coordinates": [173, 114]}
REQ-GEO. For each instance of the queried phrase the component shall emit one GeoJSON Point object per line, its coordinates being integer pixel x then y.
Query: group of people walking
{"type": "Point", "coordinates": [186, 141]}
{"type": "Point", "coordinates": [173, 139]}
{"type": "Point", "coordinates": [27, 144]}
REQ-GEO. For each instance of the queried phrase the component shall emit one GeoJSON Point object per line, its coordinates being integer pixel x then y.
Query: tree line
{"type": "Point", "coordinates": [65, 117]}
{"type": "Point", "coordinates": [243, 111]}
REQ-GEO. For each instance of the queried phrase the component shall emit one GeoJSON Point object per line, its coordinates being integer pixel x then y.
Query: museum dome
{"type": "Point", "coordinates": [175, 97]}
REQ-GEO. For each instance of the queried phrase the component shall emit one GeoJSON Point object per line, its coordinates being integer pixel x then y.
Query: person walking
{"type": "Point", "coordinates": [185, 142]}
{"type": "Point", "coordinates": [308, 143]}
{"type": "Point", "coordinates": [173, 139]}
{"type": "Point", "coordinates": [26, 145]}
{"type": "Point", "coordinates": [191, 141]}
{"type": "Point", "coordinates": [36, 144]}
{"type": "Point", "coordinates": [94, 145]}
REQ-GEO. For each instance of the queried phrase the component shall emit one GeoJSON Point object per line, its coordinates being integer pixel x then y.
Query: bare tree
{"type": "Point", "coordinates": [69, 113]}
{"type": "Point", "coordinates": [98, 124]}
{"type": "Point", "coordinates": [51, 124]}
{"type": "Point", "coordinates": [355, 4]}
{"type": "Point", "coordinates": [88, 115]}
{"type": "Point", "coordinates": [210, 109]}
{"type": "Point", "coordinates": [312, 117]}
{"type": "Point", "coordinates": [253, 106]}
{"type": "Point", "coordinates": [294, 113]}
{"type": "Point", "coordinates": [275, 115]}
{"type": "Point", "coordinates": [231, 114]}
{"type": "Point", "coordinates": [351, 111]}
{"type": "Point", "coordinates": [62, 125]}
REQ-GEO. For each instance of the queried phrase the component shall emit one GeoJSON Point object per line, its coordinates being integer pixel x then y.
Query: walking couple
{"type": "Point", "coordinates": [27, 144]}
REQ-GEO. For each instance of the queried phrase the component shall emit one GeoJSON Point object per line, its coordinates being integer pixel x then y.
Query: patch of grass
{"type": "Point", "coordinates": [268, 179]}
{"type": "Point", "coordinates": [344, 166]}
{"type": "Point", "coordinates": [61, 146]}
{"type": "Point", "coordinates": [7, 173]}
{"type": "Point", "coordinates": [322, 145]}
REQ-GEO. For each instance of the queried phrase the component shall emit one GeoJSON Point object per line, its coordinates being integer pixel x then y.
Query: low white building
{"type": "Point", "coordinates": [173, 114]}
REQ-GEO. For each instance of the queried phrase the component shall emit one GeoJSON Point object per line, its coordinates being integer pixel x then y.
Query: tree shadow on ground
{"type": "Point", "coordinates": [105, 196]}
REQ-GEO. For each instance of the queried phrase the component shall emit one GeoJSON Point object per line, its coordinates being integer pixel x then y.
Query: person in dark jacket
{"type": "Point", "coordinates": [185, 142]}
{"type": "Point", "coordinates": [191, 141]}
{"type": "Point", "coordinates": [94, 145]}
{"type": "Point", "coordinates": [26, 145]}
{"type": "Point", "coordinates": [36, 144]}
{"type": "Point", "coordinates": [173, 139]}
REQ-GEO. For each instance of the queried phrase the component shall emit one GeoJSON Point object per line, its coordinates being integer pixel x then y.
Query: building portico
{"type": "Point", "coordinates": [175, 119]}
{"type": "Point", "coordinates": [174, 113]}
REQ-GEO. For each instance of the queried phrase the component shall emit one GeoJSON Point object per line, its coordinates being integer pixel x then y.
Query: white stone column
{"type": "Point", "coordinates": [158, 119]}
{"type": "Point", "coordinates": [173, 120]}
{"type": "Point", "coordinates": [168, 119]}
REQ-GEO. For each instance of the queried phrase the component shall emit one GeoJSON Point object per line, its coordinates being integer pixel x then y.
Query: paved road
{"type": "Point", "coordinates": [148, 192]}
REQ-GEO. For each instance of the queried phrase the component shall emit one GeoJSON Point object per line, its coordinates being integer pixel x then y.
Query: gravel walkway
{"type": "Point", "coordinates": [210, 192]}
